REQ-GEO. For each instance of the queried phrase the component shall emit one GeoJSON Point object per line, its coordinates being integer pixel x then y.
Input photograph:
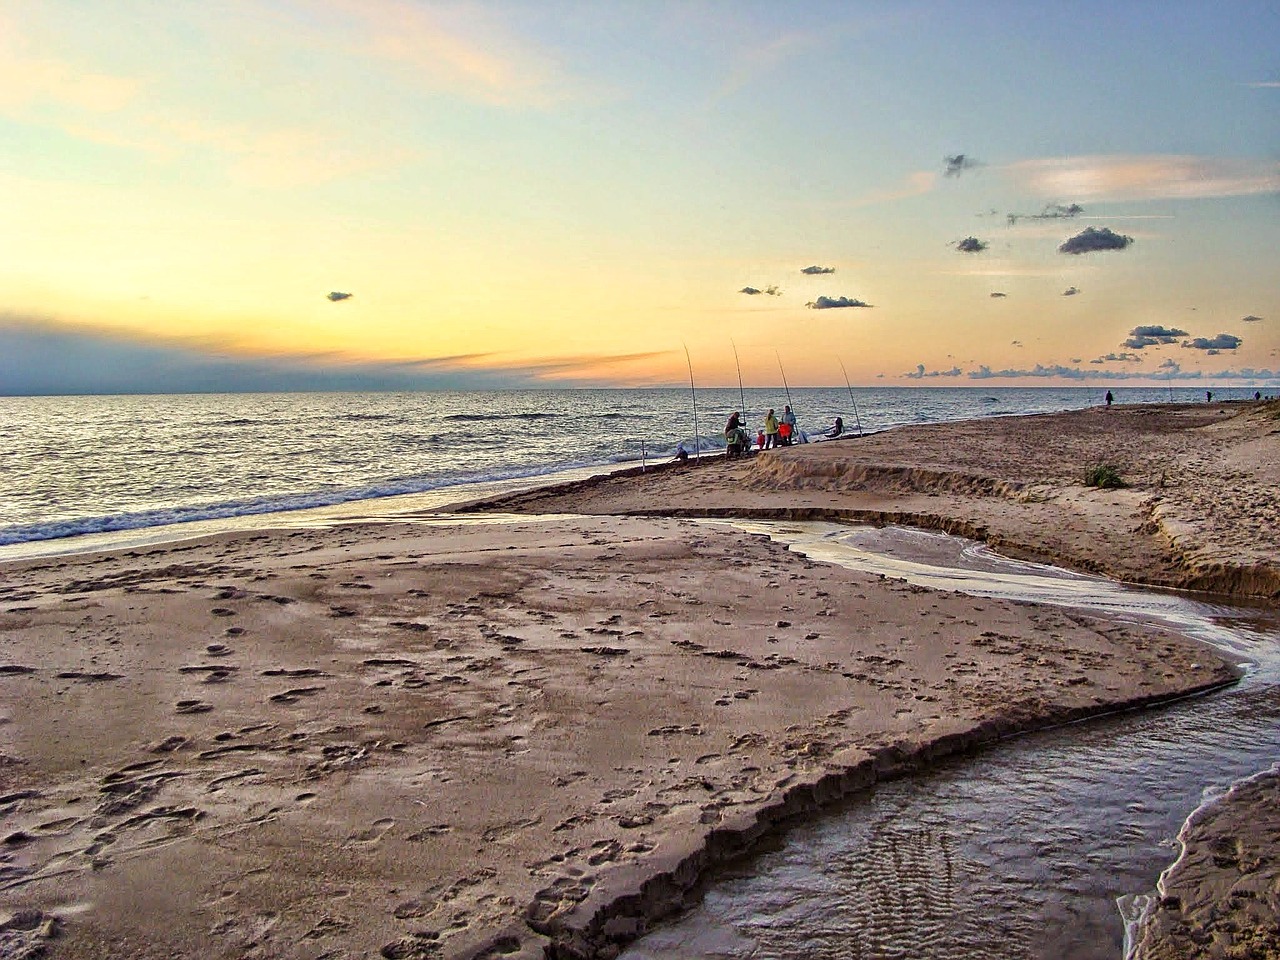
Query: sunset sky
{"type": "Point", "coordinates": [546, 193]}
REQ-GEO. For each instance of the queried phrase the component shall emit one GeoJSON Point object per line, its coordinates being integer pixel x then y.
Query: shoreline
{"type": "Point", "coordinates": [1197, 511]}
{"type": "Point", "coordinates": [522, 740]}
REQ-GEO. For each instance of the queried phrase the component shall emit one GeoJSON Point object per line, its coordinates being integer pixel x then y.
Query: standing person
{"type": "Point", "coordinates": [770, 430]}
{"type": "Point", "coordinates": [1208, 396]}
{"type": "Point", "coordinates": [789, 420]}
{"type": "Point", "coordinates": [1109, 398]}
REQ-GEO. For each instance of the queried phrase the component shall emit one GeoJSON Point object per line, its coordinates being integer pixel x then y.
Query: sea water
{"type": "Point", "coordinates": [85, 465]}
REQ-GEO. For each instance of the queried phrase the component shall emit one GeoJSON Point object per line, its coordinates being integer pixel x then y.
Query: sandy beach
{"type": "Point", "coordinates": [534, 735]}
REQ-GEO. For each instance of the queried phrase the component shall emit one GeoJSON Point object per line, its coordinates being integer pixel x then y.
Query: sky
{"type": "Point", "coordinates": [542, 194]}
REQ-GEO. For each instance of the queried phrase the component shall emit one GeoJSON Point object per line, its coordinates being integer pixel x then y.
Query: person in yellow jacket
{"type": "Point", "coordinates": [770, 431]}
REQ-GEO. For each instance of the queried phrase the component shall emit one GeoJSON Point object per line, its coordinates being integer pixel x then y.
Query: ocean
{"type": "Point", "coordinates": [76, 469]}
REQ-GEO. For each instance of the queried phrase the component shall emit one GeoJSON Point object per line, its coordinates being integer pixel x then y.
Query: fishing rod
{"type": "Point", "coordinates": [784, 382]}
{"type": "Point", "coordinates": [794, 435]}
{"type": "Point", "coordinates": [742, 397]}
{"type": "Point", "coordinates": [851, 399]}
{"type": "Point", "coordinates": [697, 443]}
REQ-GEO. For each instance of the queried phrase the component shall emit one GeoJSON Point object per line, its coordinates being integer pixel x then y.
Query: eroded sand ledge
{"type": "Point", "coordinates": [492, 740]}
{"type": "Point", "coordinates": [1200, 509]}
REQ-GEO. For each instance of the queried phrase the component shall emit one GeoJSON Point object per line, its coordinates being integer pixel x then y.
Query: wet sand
{"type": "Point", "coordinates": [536, 737]}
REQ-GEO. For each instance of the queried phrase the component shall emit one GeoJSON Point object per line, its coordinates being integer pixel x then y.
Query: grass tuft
{"type": "Point", "coordinates": [1105, 476]}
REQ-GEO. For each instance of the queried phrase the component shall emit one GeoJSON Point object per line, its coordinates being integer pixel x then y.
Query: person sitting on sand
{"type": "Point", "coordinates": [837, 428]}
{"type": "Point", "coordinates": [736, 440]}
{"type": "Point", "coordinates": [681, 453]}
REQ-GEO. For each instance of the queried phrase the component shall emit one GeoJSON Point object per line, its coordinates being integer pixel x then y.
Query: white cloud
{"type": "Point", "coordinates": [1150, 177]}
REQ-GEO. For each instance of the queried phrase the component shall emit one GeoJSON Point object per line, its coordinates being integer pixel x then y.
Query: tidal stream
{"type": "Point", "coordinates": [1034, 848]}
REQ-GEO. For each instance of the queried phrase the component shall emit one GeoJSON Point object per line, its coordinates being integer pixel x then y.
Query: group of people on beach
{"type": "Point", "coordinates": [778, 431]}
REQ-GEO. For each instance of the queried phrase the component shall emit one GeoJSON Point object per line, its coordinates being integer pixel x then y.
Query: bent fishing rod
{"type": "Point", "coordinates": [784, 383]}
{"type": "Point", "coordinates": [851, 398]}
{"type": "Point", "coordinates": [697, 443]}
{"type": "Point", "coordinates": [742, 397]}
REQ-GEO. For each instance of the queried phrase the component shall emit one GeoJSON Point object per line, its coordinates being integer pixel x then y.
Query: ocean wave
{"type": "Point", "coordinates": [286, 503]}
{"type": "Point", "coordinates": [480, 417]}
{"type": "Point", "coordinates": [236, 422]}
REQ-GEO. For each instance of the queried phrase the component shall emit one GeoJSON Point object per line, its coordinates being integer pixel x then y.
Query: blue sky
{"type": "Point", "coordinates": [551, 193]}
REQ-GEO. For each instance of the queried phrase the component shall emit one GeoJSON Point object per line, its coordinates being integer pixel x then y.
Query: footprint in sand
{"type": "Point", "coordinates": [193, 706]}
{"type": "Point", "coordinates": [59, 827]}
{"type": "Point", "coordinates": [410, 910]}
{"type": "Point", "coordinates": [89, 677]}
{"type": "Point", "coordinates": [416, 946]}
{"type": "Point", "coordinates": [294, 695]}
{"type": "Point", "coordinates": [376, 831]}
{"type": "Point", "coordinates": [300, 672]}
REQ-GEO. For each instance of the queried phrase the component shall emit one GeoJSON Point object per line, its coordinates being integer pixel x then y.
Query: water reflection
{"type": "Point", "coordinates": [1022, 851]}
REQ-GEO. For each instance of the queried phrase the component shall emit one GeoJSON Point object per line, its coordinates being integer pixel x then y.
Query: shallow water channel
{"type": "Point", "coordinates": [1029, 849]}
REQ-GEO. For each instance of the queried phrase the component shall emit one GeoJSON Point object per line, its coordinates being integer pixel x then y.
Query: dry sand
{"type": "Point", "coordinates": [1200, 509]}
{"type": "Point", "coordinates": [535, 737]}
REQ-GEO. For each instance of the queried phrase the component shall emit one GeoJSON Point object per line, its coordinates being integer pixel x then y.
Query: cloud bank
{"type": "Point", "coordinates": [1223, 341]}
{"type": "Point", "coordinates": [920, 373]}
{"type": "Point", "coordinates": [1166, 371]}
{"type": "Point", "coordinates": [38, 358]}
{"type": "Point", "coordinates": [1151, 336]}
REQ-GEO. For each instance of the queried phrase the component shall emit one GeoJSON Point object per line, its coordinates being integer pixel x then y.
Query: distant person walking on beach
{"type": "Point", "coordinates": [1109, 398]}
{"type": "Point", "coordinates": [1208, 396]}
{"type": "Point", "coordinates": [770, 430]}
